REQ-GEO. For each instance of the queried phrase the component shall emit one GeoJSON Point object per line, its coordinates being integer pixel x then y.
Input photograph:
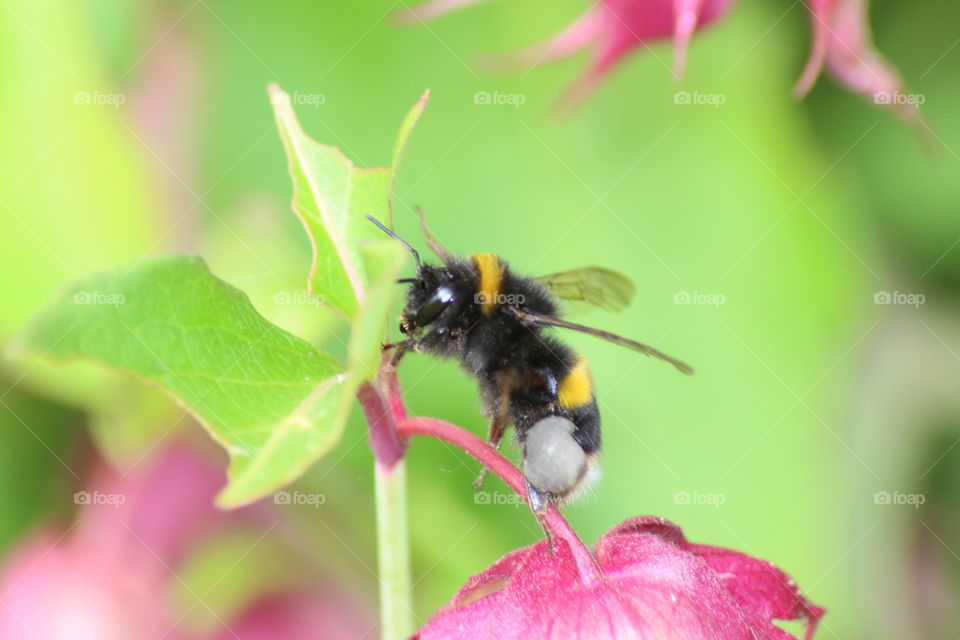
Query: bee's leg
{"type": "Point", "coordinates": [399, 349]}
{"type": "Point", "coordinates": [498, 423]}
{"type": "Point", "coordinates": [539, 502]}
{"type": "Point", "coordinates": [538, 499]}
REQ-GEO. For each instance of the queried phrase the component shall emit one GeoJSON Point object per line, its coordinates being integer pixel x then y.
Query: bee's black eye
{"type": "Point", "coordinates": [403, 328]}
{"type": "Point", "coordinates": [434, 306]}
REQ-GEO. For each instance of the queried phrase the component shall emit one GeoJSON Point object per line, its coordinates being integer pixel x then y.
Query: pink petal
{"type": "Point", "coordinates": [613, 28]}
{"type": "Point", "coordinates": [841, 41]}
{"type": "Point", "coordinates": [624, 25]}
{"type": "Point", "coordinates": [55, 591]}
{"type": "Point", "coordinates": [496, 602]}
{"type": "Point", "coordinates": [167, 501]}
{"type": "Point", "coordinates": [820, 24]}
{"type": "Point", "coordinates": [109, 577]}
{"type": "Point", "coordinates": [685, 21]}
{"type": "Point", "coordinates": [301, 616]}
{"type": "Point", "coordinates": [578, 35]}
{"type": "Point", "coordinates": [853, 61]}
{"type": "Point", "coordinates": [430, 10]}
{"type": "Point", "coordinates": [760, 588]}
{"type": "Point", "coordinates": [655, 584]}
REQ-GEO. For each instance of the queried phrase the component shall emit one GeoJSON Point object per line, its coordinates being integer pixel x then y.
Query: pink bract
{"type": "Point", "coordinates": [654, 584]}
{"type": "Point", "coordinates": [611, 29]}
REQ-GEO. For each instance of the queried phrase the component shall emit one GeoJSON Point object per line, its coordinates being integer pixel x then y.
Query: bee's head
{"type": "Point", "coordinates": [434, 291]}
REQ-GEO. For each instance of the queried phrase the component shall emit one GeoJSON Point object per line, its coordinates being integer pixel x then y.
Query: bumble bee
{"type": "Point", "coordinates": [496, 324]}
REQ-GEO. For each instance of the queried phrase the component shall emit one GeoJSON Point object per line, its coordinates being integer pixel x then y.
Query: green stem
{"type": "Point", "coordinates": [390, 485]}
{"type": "Point", "coordinates": [393, 552]}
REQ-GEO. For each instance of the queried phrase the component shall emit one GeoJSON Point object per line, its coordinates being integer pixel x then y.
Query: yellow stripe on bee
{"type": "Point", "coordinates": [490, 270]}
{"type": "Point", "coordinates": [576, 388]}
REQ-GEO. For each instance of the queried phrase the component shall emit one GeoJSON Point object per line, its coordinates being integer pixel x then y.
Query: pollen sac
{"type": "Point", "coordinates": [553, 462]}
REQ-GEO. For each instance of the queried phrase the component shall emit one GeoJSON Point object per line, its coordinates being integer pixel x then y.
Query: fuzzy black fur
{"type": "Point", "coordinates": [497, 346]}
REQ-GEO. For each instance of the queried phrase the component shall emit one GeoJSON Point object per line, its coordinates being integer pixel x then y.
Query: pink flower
{"type": "Point", "coordinates": [306, 615]}
{"type": "Point", "coordinates": [842, 40]}
{"type": "Point", "coordinates": [614, 28]}
{"type": "Point", "coordinates": [648, 581]}
{"type": "Point", "coordinates": [52, 589]}
{"type": "Point", "coordinates": [110, 576]}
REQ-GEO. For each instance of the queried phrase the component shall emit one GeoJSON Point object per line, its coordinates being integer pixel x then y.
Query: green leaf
{"type": "Point", "coordinates": [354, 266]}
{"type": "Point", "coordinates": [386, 258]}
{"type": "Point", "coordinates": [332, 197]}
{"type": "Point", "coordinates": [273, 401]}
{"type": "Point", "coordinates": [406, 128]}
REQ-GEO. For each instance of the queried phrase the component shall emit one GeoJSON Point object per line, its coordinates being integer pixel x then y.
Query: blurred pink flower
{"type": "Point", "coordinates": [613, 28]}
{"type": "Point", "coordinates": [53, 589]}
{"type": "Point", "coordinates": [109, 576]}
{"type": "Point", "coordinates": [323, 615]}
{"type": "Point", "coordinates": [842, 41]}
{"type": "Point", "coordinates": [648, 582]}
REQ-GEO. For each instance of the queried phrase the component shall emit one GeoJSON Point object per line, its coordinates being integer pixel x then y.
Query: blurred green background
{"type": "Point", "coordinates": [140, 128]}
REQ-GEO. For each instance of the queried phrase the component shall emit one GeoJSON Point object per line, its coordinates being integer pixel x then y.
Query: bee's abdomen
{"type": "Point", "coordinates": [575, 388]}
{"type": "Point", "coordinates": [576, 399]}
{"type": "Point", "coordinates": [572, 397]}
{"type": "Point", "coordinates": [587, 420]}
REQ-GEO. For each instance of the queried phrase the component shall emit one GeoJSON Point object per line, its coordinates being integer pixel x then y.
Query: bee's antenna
{"type": "Point", "coordinates": [416, 256]}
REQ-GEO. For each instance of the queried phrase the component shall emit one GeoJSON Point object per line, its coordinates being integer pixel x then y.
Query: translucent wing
{"type": "Point", "coordinates": [582, 289]}
{"type": "Point", "coordinates": [548, 321]}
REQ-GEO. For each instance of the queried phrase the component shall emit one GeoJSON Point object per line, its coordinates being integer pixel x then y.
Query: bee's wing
{"type": "Point", "coordinates": [530, 317]}
{"type": "Point", "coordinates": [582, 289]}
